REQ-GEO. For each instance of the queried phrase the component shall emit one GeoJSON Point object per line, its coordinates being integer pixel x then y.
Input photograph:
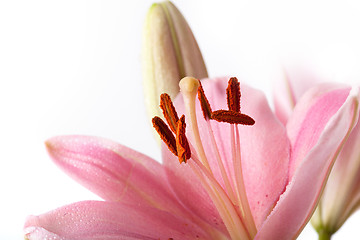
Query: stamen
{"type": "Point", "coordinates": [247, 215]}
{"type": "Point", "coordinates": [189, 87]}
{"type": "Point", "coordinates": [165, 134]}
{"type": "Point", "coordinates": [232, 117]}
{"type": "Point", "coordinates": [233, 95]}
{"type": "Point", "coordinates": [182, 144]}
{"type": "Point", "coordinates": [230, 201]}
{"type": "Point", "coordinates": [169, 111]}
{"type": "Point", "coordinates": [205, 105]}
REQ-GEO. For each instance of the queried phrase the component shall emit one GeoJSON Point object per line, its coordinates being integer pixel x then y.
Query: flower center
{"type": "Point", "coordinates": [231, 200]}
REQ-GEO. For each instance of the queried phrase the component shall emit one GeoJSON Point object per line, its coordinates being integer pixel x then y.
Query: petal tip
{"type": "Point", "coordinates": [53, 144]}
{"type": "Point", "coordinates": [355, 92]}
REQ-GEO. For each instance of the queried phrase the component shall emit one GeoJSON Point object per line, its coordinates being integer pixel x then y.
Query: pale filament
{"type": "Point", "coordinates": [247, 215]}
{"type": "Point", "coordinates": [224, 175]}
{"type": "Point", "coordinates": [221, 201]}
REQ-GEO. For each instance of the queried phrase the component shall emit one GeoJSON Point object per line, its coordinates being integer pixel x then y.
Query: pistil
{"type": "Point", "coordinates": [189, 87]}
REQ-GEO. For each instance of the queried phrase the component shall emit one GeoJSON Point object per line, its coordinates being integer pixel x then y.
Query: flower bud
{"type": "Point", "coordinates": [169, 53]}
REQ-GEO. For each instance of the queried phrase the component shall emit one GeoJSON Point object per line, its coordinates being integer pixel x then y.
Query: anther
{"type": "Point", "coordinates": [182, 144]}
{"type": "Point", "coordinates": [205, 105]}
{"type": "Point", "coordinates": [169, 111]}
{"type": "Point", "coordinates": [165, 134]}
{"type": "Point", "coordinates": [233, 94]}
{"type": "Point", "coordinates": [232, 117]}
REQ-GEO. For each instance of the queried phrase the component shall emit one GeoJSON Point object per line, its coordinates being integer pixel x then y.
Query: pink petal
{"type": "Point", "coordinates": [264, 147]}
{"type": "Point", "coordinates": [190, 192]}
{"type": "Point", "coordinates": [109, 220]}
{"type": "Point", "coordinates": [309, 118]}
{"type": "Point", "coordinates": [289, 89]}
{"type": "Point", "coordinates": [284, 98]}
{"type": "Point", "coordinates": [114, 172]}
{"type": "Point", "coordinates": [342, 193]}
{"type": "Point", "coordinates": [299, 201]}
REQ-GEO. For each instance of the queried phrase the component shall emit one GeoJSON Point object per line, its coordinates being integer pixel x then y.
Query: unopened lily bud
{"type": "Point", "coordinates": [169, 53]}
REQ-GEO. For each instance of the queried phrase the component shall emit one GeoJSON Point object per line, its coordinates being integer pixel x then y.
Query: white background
{"type": "Point", "coordinates": [73, 67]}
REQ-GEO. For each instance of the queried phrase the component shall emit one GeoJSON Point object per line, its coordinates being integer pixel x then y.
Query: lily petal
{"type": "Point", "coordinates": [298, 202]}
{"type": "Point", "coordinates": [95, 220]}
{"type": "Point", "coordinates": [112, 171]}
{"type": "Point", "coordinates": [284, 98]}
{"type": "Point", "coordinates": [190, 192]}
{"type": "Point", "coordinates": [310, 117]}
{"type": "Point", "coordinates": [342, 192]}
{"type": "Point", "coordinates": [289, 89]}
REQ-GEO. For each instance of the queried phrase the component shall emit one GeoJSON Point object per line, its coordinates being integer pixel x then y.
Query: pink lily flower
{"type": "Point", "coordinates": [341, 197]}
{"type": "Point", "coordinates": [237, 179]}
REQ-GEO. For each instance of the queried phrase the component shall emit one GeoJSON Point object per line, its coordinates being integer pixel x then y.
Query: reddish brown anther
{"type": "Point", "coordinates": [205, 105]}
{"type": "Point", "coordinates": [169, 111]}
{"type": "Point", "coordinates": [232, 117]}
{"type": "Point", "coordinates": [165, 134]}
{"type": "Point", "coordinates": [182, 143]}
{"type": "Point", "coordinates": [233, 94]}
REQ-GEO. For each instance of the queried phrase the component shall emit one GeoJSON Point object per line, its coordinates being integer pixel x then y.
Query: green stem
{"type": "Point", "coordinates": [324, 235]}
